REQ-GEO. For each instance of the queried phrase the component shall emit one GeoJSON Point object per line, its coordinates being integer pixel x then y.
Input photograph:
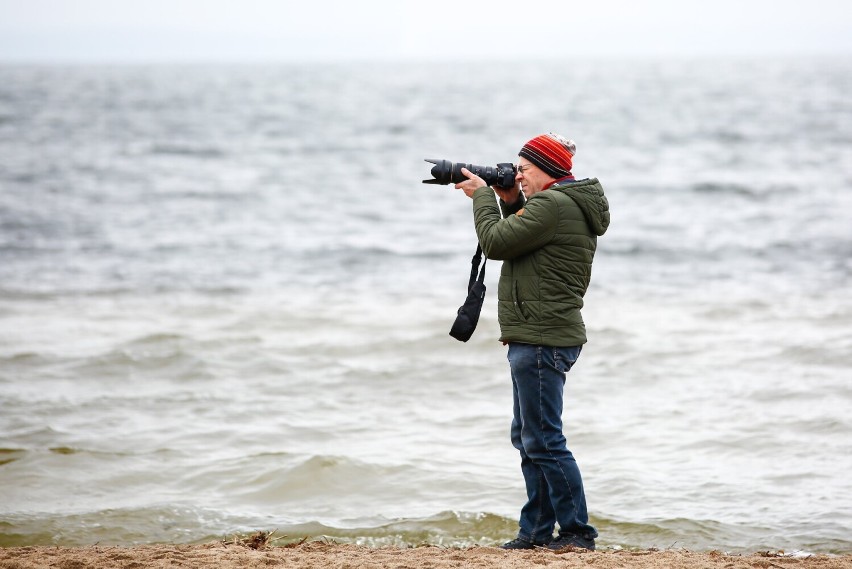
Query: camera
{"type": "Point", "coordinates": [446, 172]}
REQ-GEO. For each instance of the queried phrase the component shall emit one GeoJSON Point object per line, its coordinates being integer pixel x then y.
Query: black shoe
{"type": "Point", "coordinates": [570, 541]}
{"type": "Point", "coordinates": [521, 543]}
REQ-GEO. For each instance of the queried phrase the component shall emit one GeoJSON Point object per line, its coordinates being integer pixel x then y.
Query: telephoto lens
{"type": "Point", "coordinates": [446, 172]}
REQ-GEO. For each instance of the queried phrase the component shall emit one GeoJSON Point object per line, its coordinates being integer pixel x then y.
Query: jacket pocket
{"type": "Point", "coordinates": [518, 304]}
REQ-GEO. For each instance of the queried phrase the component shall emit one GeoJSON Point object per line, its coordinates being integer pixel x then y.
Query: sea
{"type": "Point", "coordinates": [225, 298]}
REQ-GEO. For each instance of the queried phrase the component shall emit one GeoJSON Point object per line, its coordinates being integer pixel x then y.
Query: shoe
{"type": "Point", "coordinates": [571, 541]}
{"type": "Point", "coordinates": [521, 543]}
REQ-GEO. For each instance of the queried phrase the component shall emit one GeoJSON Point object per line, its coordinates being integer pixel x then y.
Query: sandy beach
{"type": "Point", "coordinates": [316, 555]}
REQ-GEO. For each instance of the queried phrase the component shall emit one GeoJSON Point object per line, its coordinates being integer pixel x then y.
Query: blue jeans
{"type": "Point", "coordinates": [554, 486]}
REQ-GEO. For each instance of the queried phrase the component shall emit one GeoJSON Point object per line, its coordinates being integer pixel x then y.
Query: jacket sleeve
{"type": "Point", "coordinates": [517, 234]}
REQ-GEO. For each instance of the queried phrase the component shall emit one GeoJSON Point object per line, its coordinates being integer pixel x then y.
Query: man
{"type": "Point", "coordinates": [546, 238]}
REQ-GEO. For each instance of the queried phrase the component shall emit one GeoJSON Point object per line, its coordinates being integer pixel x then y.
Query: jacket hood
{"type": "Point", "coordinates": [590, 197]}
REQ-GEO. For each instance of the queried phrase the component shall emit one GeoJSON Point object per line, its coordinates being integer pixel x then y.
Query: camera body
{"type": "Point", "coordinates": [446, 172]}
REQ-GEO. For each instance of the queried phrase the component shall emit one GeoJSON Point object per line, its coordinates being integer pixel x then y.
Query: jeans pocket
{"type": "Point", "coordinates": [565, 358]}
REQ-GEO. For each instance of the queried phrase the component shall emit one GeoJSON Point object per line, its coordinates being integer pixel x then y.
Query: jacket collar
{"type": "Point", "coordinates": [569, 178]}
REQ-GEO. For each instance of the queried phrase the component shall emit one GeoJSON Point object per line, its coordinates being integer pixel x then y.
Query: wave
{"type": "Point", "coordinates": [187, 150]}
{"type": "Point", "coordinates": [171, 354]}
{"type": "Point", "coordinates": [189, 524]}
{"type": "Point", "coordinates": [448, 528]}
{"type": "Point", "coordinates": [312, 482]}
{"type": "Point", "coordinates": [750, 192]}
{"type": "Point", "coordinates": [120, 526]}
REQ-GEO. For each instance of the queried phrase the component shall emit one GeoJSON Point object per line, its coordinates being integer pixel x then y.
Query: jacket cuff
{"type": "Point", "coordinates": [515, 207]}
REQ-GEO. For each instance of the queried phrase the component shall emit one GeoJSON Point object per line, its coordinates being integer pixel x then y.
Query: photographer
{"type": "Point", "coordinates": [546, 239]}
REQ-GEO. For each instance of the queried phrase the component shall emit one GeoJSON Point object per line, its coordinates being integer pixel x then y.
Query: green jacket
{"type": "Point", "coordinates": [547, 245]}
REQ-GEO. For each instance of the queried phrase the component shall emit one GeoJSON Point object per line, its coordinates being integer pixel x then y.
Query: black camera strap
{"type": "Point", "coordinates": [468, 314]}
{"type": "Point", "coordinates": [477, 257]}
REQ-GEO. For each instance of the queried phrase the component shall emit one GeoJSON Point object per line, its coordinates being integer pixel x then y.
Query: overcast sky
{"type": "Point", "coordinates": [339, 30]}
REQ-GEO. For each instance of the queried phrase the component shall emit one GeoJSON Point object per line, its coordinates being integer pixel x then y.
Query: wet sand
{"type": "Point", "coordinates": [317, 555]}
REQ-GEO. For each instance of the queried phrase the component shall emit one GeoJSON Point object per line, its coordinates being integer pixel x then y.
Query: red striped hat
{"type": "Point", "coordinates": [550, 152]}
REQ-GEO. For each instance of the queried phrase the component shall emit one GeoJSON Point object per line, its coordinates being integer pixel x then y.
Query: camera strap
{"type": "Point", "coordinates": [477, 257]}
{"type": "Point", "coordinates": [468, 314]}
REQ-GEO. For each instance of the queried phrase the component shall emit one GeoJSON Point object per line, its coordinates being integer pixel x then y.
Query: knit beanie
{"type": "Point", "coordinates": [550, 152]}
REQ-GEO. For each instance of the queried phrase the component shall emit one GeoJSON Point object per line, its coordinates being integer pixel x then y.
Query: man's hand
{"type": "Point", "coordinates": [508, 195]}
{"type": "Point", "coordinates": [472, 183]}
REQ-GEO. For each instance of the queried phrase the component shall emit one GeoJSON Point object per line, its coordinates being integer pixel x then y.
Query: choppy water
{"type": "Point", "coordinates": [225, 298]}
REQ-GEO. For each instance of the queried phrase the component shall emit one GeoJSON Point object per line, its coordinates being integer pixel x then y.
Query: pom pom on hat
{"type": "Point", "coordinates": [552, 153]}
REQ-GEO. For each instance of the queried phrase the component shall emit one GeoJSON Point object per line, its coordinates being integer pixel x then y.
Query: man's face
{"type": "Point", "coordinates": [531, 177]}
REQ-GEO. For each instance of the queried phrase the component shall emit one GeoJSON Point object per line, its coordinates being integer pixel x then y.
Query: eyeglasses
{"type": "Point", "coordinates": [524, 168]}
